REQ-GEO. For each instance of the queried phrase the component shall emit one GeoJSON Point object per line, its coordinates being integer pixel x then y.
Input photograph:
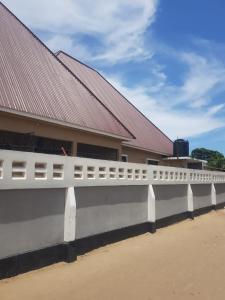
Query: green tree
{"type": "Point", "coordinates": [215, 159]}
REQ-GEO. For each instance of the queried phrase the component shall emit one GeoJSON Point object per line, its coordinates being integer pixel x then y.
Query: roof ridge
{"type": "Point", "coordinates": [76, 59]}
{"type": "Point", "coordinates": [55, 56]}
{"type": "Point", "coordinates": [60, 51]}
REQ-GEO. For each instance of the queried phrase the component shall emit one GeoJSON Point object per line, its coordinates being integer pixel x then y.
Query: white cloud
{"type": "Point", "coordinates": [118, 25]}
{"type": "Point", "coordinates": [200, 89]}
{"type": "Point", "coordinates": [55, 43]}
{"type": "Point", "coordinates": [215, 109]}
{"type": "Point", "coordinates": [161, 109]}
{"type": "Point", "coordinates": [204, 78]}
{"type": "Point", "coordinates": [68, 45]}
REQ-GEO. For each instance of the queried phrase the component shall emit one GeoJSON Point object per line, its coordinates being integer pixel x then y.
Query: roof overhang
{"type": "Point", "coordinates": [61, 123]}
{"type": "Point", "coordinates": [145, 149]}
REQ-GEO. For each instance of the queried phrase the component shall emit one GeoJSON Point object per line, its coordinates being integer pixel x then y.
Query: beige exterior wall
{"type": "Point", "coordinates": [19, 124]}
{"type": "Point", "coordinates": [175, 163]}
{"type": "Point", "coordinates": [139, 156]}
{"type": "Point", "coordinates": [25, 125]}
{"type": "Point", "coordinates": [181, 163]}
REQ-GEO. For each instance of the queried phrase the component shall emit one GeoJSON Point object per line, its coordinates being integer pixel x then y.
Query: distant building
{"type": "Point", "coordinates": [185, 162]}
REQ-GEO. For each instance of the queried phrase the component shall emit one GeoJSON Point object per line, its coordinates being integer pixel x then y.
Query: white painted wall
{"type": "Point", "coordinates": [170, 200]}
{"type": "Point", "coordinates": [103, 209]}
{"type": "Point", "coordinates": [202, 196]}
{"type": "Point", "coordinates": [108, 195]}
{"type": "Point", "coordinates": [30, 220]}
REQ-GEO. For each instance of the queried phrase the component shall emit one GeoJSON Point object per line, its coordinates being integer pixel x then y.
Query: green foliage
{"type": "Point", "coordinates": [215, 159]}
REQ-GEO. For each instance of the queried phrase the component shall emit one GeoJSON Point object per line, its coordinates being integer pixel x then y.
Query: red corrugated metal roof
{"type": "Point", "coordinates": [148, 136]}
{"type": "Point", "coordinates": [35, 82]}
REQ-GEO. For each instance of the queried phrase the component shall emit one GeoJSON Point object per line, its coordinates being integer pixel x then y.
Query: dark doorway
{"type": "Point", "coordinates": [98, 152]}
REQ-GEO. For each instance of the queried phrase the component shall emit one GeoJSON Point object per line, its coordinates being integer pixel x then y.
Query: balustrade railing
{"type": "Point", "coordinates": [34, 170]}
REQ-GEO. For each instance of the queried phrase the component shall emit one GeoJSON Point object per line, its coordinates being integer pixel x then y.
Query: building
{"type": "Point", "coordinates": [149, 143]}
{"type": "Point", "coordinates": [55, 104]}
{"type": "Point", "coordinates": [54, 207]}
{"type": "Point", "coordinates": [185, 162]}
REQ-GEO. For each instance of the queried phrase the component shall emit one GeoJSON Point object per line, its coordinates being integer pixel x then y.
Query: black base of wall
{"type": "Point", "coordinates": [203, 210]}
{"type": "Point", "coordinates": [70, 253]}
{"type": "Point", "coordinates": [186, 215]}
{"type": "Point", "coordinates": [172, 219]}
{"type": "Point", "coordinates": [26, 262]}
{"type": "Point", "coordinates": [86, 244]}
{"type": "Point", "coordinates": [191, 215]}
{"type": "Point", "coordinates": [219, 205]}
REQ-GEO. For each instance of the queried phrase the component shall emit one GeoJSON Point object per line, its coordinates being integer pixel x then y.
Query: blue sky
{"type": "Point", "coordinates": [166, 56]}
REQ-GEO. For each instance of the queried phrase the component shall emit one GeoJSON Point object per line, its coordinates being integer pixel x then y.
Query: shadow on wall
{"type": "Point", "coordinates": [167, 192]}
{"type": "Point", "coordinates": [110, 195]}
{"type": "Point", "coordinates": [170, 200]}
{"type": "Point", "coordinates": [201, 190]}
{"type": "Point", "coordinates": [220, 193]}
{"type": "Point", "coordinates": [108, 208]}
{"type": "Point", "coordinates": [25, 205]}
{"type": "Point", "coordinates": [30, 220]}
{"type": "Point", "coordinates": [201, 195]}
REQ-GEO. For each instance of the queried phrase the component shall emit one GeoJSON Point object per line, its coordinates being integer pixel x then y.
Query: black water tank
{"type": "Point", "coordinates": [180, 148]}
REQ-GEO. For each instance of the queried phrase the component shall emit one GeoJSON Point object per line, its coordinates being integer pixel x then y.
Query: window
{"type": "Point", "coordinates": [31, 143]}
{"type": "Point", "coordinates": [124, 157]}
{"type": "Point", "coordinates": [150, 161]}
{"type": "Point", "coordinates": [98, 152]}
{"type": "Point", "coordinates": [195, 165]}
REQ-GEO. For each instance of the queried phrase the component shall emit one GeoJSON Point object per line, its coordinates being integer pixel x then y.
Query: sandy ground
{"type": "Point", "coordinates": [182, 261]}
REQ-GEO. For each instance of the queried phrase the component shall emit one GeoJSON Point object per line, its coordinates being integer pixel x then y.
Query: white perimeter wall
{"type": "Point", "coordinates": [30, 220]}
{"type": "Point", "coordinates": [102, 209]}
{"type": "Point", "coordinates": [38, 206]}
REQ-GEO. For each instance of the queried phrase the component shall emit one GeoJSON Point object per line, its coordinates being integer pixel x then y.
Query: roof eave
{"type": "Point", "coordinates": [146, 149]}
{"type": "Point", "coordinates": [185, 158]}
{"type": "Point", "coordinates": [63, 123]}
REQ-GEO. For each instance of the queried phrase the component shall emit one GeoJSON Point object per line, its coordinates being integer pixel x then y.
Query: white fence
{"type": "Point", "coordinates": [20, 170]}
{"type": "Point", "coordinates": [121, 199]}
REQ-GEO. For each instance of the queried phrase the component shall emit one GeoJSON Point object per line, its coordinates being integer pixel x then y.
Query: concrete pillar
{"type": "Point", "coordinates": [213, 195]}
{"type": "Point", "coordinates": [190, 202]}
{"type": "Point", "coordinates": [70, 215]}
{"type": "Point", "coordinates": [70, 225]}
{"type": "Point", "coordinates": [151, 209]}
{"type": "Point", "coordinates": [74, 149]}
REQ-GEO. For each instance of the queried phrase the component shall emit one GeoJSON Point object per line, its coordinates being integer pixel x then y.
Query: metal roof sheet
{"type": "Point", "coordinates": [148, 136]}
{"type": "Point", "coordinates": [35, 82]}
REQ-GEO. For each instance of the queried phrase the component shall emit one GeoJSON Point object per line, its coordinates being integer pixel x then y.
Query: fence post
{"type": "Point", "coordinates": [151, 209]}
{"type": "Point", "coordinates": [70, 224]}
{"type": "Point", "coordinates": [213, 195]}
{"type": "Point", "coordinates": [190, 202]}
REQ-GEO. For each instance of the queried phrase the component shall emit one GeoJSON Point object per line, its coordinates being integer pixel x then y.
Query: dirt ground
{"type": "Point", "coordinates": [182, 261]}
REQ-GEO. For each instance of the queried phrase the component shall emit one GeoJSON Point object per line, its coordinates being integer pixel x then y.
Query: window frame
{"type": "Point", "coordinates": [124, 155]}
{"type": "Point", "coordinates": [152, 159]}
